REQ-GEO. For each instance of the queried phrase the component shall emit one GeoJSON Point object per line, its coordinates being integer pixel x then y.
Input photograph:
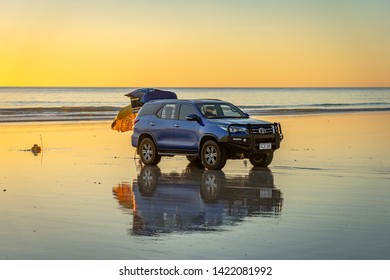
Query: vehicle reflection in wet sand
{"type": "Point", "coordinates": [196, 199]}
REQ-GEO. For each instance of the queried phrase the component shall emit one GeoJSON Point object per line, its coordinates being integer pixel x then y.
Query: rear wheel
{"type": "Point", "coordinates": [148, 152]}
{"type": "Point", "coordinates": [147, 179]}
{"type": "Point", "coordinates": [262, 160]}
{"type": "Point", "coordinates": [213, 155]}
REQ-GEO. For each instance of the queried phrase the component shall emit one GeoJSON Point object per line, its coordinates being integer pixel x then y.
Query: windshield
{"type": "Point", "coordinates": [220, 110]}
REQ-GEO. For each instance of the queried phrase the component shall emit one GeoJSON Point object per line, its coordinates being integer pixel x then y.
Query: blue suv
{"type": "Point", "coordinates": [207, 132]}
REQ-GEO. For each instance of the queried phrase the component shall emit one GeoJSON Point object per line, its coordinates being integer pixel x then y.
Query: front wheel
{"type": "Point", "coordinates": [148, 152]}
{"type": "Point", "coordinates": [213, 155]}
{"type": "Point", "coordinates": [262, 160]}
{"type": "Point", "coordinates": [212, 183]}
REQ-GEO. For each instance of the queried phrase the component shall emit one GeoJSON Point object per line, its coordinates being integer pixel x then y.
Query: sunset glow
{"type": "Point", "coordinates": [195, 43]}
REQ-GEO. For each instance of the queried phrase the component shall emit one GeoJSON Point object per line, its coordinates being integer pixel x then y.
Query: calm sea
{"type": "Point", "coordinates": [23, 104]}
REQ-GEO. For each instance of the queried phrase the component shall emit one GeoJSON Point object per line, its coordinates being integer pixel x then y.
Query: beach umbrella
{"type": "Point", "coordinates": [138, 93]}
{"type": "Point", "coordinates": [124, 121]}
{"type": "Point", "coordinates": [146, 94]}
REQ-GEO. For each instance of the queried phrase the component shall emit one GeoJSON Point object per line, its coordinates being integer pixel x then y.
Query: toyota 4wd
{"type": "Point", "coordinates": [207, 132]}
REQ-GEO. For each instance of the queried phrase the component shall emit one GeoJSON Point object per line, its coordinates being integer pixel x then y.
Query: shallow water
{"type": "Point", "coordinates": [192, 213]}
{"type": "Point", "coordinates": [86, 197]}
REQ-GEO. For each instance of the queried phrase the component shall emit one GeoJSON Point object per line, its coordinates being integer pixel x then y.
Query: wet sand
{"type": "Point", "coordinates": [325, 196]}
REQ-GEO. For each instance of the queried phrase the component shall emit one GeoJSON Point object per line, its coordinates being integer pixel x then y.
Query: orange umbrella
{"type": "Point", "coordinates": [124, 121]}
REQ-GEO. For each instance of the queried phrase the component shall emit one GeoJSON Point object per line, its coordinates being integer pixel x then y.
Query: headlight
{"type": "Point", "coordinates": [224, 127]}
{"type": "Point", "coordinates": [238, 129]}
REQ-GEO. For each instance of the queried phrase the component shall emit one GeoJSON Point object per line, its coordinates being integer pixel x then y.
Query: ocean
{"type": "Point", "coordinates": [36, 104]}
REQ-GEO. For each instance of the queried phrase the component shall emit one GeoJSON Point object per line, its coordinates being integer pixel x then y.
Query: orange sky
{"type": "Point", "coordinates": [194, 43]}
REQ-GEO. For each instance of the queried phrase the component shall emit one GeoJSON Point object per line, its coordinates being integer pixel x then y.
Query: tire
{"type": "Point", "coordinates": [262, 160]}
{"type": "Point", "coordinates": [148, 152]}
{"type": "Point", "coordinates": [213, 155]}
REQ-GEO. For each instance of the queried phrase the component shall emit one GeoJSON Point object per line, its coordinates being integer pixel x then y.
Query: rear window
{"type": "Point", "coordinates": [149, 109]}
{"type": "Point", "coordinates": [167, 112]}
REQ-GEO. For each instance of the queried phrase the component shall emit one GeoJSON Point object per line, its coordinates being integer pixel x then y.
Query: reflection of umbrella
{"type": "Point", "coordinates": [146, 94]}
{"type": "Point", "coordinates": [124, 194]}
{"type": "Point", "coordinates": [124, 120]}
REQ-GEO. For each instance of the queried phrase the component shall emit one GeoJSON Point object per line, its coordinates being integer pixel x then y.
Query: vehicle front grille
{"type": "Point", "coordinates": [262, 130]}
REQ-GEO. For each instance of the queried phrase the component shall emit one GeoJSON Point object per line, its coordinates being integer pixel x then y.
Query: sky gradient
{"type": "Point", "coordinates": [200, 43]}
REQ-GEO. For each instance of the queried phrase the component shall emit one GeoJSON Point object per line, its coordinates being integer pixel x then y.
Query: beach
{"type": "Point", "coordinates": [326, 197]}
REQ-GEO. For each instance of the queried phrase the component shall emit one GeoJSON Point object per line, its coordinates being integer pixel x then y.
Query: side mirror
{"type": "Point", "coordinates": [193, 117]}
{"type": "Point", "coordinates": [246, 115]}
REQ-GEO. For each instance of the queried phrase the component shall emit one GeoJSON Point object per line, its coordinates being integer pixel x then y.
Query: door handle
{"type": "Point", "coordinates": [152, 124]}
{"type": "Point", "coordinates": [177, 125]}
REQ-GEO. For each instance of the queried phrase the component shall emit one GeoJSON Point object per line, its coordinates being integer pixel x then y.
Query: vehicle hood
{"type": "Point", "coordinates": [237, 121]}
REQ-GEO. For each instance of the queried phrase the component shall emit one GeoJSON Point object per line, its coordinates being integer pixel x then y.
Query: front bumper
{"type": "Point", "coordinates": [248, 143]}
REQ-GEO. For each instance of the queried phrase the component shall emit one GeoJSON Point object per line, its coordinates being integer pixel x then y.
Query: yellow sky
{"type": "Point", "coordinates": [194, 43]}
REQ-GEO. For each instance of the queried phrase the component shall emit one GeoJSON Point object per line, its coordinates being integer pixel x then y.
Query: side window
{"type": "Point", "coordinates": [185, 110]}
{"type": "Point", "coordinates": [168, 111]}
